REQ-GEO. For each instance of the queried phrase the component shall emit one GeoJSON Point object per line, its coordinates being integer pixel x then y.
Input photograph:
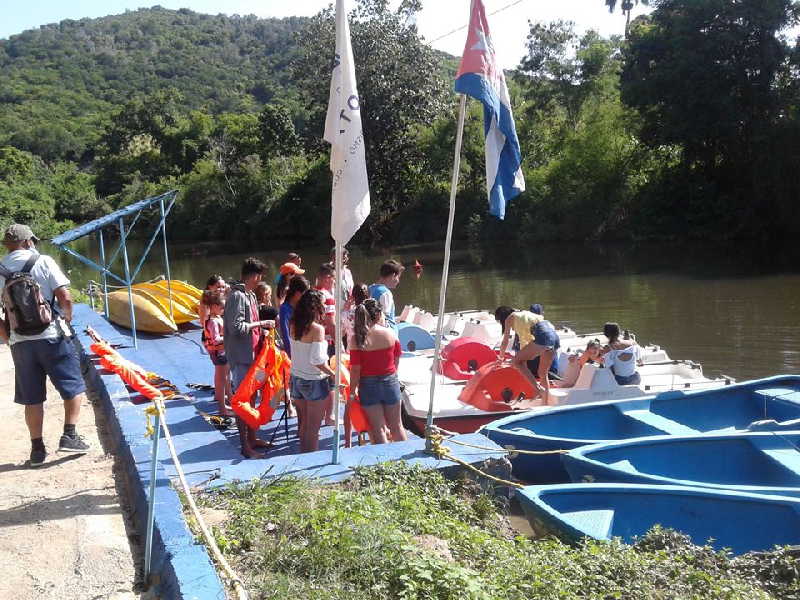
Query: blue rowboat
{"type": "Point", "coordinates": [729, 409]}
{"type": "Point", "coordinates": [739, 521]}
{"type": "Point", "coordinates": [759, 463]}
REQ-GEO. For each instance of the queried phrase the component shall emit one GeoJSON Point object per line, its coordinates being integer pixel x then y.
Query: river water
{"type": "Point", "coordinates": [733, 309]}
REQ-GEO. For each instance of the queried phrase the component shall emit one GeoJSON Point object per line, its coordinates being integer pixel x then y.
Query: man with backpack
{"type": "Point", "coordinates": [31, 286]}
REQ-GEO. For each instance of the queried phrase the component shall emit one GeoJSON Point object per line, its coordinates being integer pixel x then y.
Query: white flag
{"type": "Point", "coordinates": [350, 198]}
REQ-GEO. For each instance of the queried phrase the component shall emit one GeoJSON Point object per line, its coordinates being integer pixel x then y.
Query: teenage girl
{"type": "Point", "coordinates": [310, 385]}
{"type": "Point", "coordinates": [374, 356]}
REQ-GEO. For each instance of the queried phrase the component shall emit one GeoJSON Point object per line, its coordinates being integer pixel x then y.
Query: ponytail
{"type": "Point", "coordinates": [365, 316]}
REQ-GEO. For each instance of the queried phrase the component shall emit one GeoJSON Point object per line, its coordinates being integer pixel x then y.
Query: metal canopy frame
{"type": "Point", "coordinates": [117, 218]}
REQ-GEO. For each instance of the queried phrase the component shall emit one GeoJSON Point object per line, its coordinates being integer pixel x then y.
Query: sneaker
{"type": "Point", "coordinates": [37, 457]}
{"type": "Point", "coordinates": [74, 444]}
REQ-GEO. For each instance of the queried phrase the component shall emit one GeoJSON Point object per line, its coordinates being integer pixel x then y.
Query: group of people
{"type": "Point", "coordinates": [537, 343]}
{"type": "Point", "coordinates": [237, 318]}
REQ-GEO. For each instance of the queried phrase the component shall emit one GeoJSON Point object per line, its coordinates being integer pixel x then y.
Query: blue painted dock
{"type": "Point", "coordinates": [211, 457]}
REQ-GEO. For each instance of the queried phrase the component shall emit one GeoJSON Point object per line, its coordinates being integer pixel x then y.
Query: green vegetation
{"type": "Point", "coordinates": [402, 532]}
{"type": "Point", "coordinates": [687, 128]}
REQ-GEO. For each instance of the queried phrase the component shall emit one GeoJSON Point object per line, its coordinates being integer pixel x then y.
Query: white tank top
{"type": "Point", "coordinates": [305, 355]}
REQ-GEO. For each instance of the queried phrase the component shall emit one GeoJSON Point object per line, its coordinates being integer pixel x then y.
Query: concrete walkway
{"type": "Point", "coordinates": [63, 531]}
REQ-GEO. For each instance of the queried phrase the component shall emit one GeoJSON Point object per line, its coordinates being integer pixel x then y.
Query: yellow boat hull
{"type": "Point", "coordinates": [180, 314]}
{"type": "Point", "coordinates": [186, 301]}
{"type": "Point", "coordinates": [182, 287]}
{"type": "Point", "coordinates": [149, 316]}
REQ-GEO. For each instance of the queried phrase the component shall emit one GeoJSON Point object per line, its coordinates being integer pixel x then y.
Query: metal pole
{"type": "Point", "coordinates": [445, 269]}
{"type": "Point", "coordinates": [105, 268]}
{"type": "Point", "coordinates": [338, 341]}
{"type": "Point", "coordinates": [166, 256]}
{"type": "Point", "coordinates": [128, 282]}
{"type": "Point", "coordinates": [151, 501]}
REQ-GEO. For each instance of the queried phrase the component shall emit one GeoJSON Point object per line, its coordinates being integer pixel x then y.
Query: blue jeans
{"type": "Point", "coordinates": [310, 389]}
{"type": "Point", "coordinates": [634, 379]}
{"type": "Point", "coordinates": [35, 360]}
{"type": "Point", "coordinates": [379, 389]}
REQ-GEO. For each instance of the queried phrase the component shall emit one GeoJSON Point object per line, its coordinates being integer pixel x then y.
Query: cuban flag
{"type": "Point", "coordinates": [480, 77]}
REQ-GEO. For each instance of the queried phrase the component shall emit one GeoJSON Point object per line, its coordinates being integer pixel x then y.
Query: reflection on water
{"type": "Point", "coordinates": [733, 309]}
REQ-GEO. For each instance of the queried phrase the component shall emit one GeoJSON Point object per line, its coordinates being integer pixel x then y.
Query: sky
{"type": "Point", "coordinates": [438, 18]}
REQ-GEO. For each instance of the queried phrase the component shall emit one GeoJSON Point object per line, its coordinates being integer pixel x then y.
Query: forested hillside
{"type": "Point", "coordinates": [61, 82]}
{"type": "Point", "coordinates": [689, 127]}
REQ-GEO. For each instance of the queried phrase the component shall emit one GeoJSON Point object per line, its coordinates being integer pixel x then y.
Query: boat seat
{"type": "Point", "coordinates": [788, 458]}
{"type": "Point", "coordinates": [778, 394]}
{"type": "Point", "coordinates": [659, 422]}
{"type": "Point", "coordinates": [594, 523]}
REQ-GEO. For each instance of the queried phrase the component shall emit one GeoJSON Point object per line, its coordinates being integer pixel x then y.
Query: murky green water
{"type": "Point", "coordinates": [733, 309]}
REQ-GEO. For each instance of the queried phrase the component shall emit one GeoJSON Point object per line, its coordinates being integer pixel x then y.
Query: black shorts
{"type": "Point", "coordinates": [35, 360]}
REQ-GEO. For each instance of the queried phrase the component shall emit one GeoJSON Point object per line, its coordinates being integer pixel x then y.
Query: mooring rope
{"type": "Point", "coordinates": [157, 408]}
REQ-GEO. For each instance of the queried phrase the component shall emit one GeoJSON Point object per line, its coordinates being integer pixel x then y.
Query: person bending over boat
{"type": "Point", "coordinates": [544, 346]}
{"type": "Point", "coordinates": [519, 322]}
{"type": "Point", "coordinates": [622, 356]}
{"type": "Point", "coordinates": [242, 337]}
{"type": "Point", "coordinates": [310, 372]}
{"type": "Point", "coordinates": [374, 356]}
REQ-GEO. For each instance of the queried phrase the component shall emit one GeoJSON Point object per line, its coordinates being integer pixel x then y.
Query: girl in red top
{"type": "Point", "coordinates": [374, 355]}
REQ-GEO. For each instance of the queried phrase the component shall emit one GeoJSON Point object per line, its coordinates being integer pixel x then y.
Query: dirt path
{"type": "Point", "coordinates": [62, 529]}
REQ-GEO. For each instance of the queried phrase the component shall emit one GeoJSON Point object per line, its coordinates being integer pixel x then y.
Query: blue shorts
{"type": "Point", "coordinates": [634, 379]}
{"type": "Point", "coordinates": [310, 389]}
{"type": "Point", "coordinates": [218, 358]}
{"type": "Point", "coordinates": [544, 334]}
{"type": "Point", "coordinates": [379, 389]}
{"type": "Point", "coordinates": [35, 360]}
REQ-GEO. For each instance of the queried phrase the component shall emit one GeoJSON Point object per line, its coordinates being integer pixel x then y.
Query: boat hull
{"type": "Point", "coordinates": [726, 519]}
{"type": "Point", "coordinates": [677, 413]}
{"type": "Point", "coordinates": [759, 463]}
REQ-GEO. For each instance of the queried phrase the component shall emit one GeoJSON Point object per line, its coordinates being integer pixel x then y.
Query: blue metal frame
{"type": "Point", "coordinates": [118, 218]}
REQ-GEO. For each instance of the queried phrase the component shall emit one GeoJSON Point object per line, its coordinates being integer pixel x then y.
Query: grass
{"type": "Point", "coordinates": [399, 532]}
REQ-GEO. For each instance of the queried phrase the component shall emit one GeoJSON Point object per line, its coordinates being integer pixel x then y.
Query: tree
{"type": "Point", "coordinates": [626, 6]}
{"type": "Point", "coordinates": [704, 75]}
{"type": "Point", "coordinates": [401, 90]}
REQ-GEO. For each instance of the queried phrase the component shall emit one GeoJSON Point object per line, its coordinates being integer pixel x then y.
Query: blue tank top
{"type": "Point", "coordinates": [376, 291]}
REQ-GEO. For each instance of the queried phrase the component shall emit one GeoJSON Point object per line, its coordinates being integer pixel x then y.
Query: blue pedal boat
{"type": "Point", "coordinates": [728, 409]}
{"type": "Point", "coordinates": [739, 521]}
{"type": "Point", "coordinates": [759, 463]}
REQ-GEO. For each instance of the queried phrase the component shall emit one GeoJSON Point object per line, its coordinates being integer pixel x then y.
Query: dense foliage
{"type": "Point", "coordinates": [687, 128]}
{"type": "Point", "coordinates": [404, 532]}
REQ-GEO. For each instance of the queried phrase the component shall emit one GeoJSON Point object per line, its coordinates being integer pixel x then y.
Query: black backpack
{"type": "Point", "coordinates": [27, 312]}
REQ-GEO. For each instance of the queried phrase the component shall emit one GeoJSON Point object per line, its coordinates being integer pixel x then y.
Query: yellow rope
{"type": "Point", "coordinates": [510, 449]}
{"type": "Point", "coordinates": [443, 452]}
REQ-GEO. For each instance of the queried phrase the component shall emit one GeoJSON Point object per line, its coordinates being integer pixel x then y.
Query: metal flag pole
{"type": "Point", "coordinates": [338, 341]}
{"type": "Point", "coordinates": [445, 268]}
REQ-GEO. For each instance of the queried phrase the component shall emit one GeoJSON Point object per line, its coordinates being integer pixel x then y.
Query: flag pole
{"type": "Point", "coordinates": [338, 341]}
{"type": "Point", "coordinates": [445, 268]}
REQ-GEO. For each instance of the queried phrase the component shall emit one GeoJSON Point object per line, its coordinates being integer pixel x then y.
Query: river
{"type": "Point", "coordinates": [732, 308]}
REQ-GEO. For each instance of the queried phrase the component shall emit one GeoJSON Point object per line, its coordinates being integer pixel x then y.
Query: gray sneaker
{"type": "Point", "coordinates": [74, 444]}
{"type": "Point", "coordinates": [37, 457]}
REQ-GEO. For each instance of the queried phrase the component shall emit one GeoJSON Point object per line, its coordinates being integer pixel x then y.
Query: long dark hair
{"type": "Point", "coordinates": [611, 331]}
{"type": "Point", "coordinates": [359, 294]}
{"type": "Point", "coordinates": [309, 309]}
{"type": "Point", "coordinates": [366, 315]}
{"type": "Point", "coordinates": [214, 280]}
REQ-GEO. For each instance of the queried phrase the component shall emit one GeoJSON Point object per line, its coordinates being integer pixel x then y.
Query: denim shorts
{"type": "Point", "coordinates": [379, 389]}
{"type": "Point", "coordinates": [634, 379]}
{"type": "Point", "coordinates": [218, 358]}
{"type": "Point", "coordinates": [544, 334]}
{"type": "Point", "coordinates": [310, 389]}
{"type": "Point", "coordinates": [35, 360]}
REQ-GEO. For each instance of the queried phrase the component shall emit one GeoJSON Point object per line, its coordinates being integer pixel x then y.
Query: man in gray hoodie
{"type": "Point", "coordinates": [242, 336]}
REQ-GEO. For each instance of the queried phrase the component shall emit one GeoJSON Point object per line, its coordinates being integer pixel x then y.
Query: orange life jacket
{"type": "Point", "coordinates": [268, 374]}
{"type": "Point", "coordinates": [355, 412]}
{"type": "Point", "coordinates": [131, 374]}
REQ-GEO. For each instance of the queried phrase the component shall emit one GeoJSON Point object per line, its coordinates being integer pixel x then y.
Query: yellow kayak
{"type": "Point", "coordinates": [180, 314]}
{"type": "Point", "coordinates": [186, 301]}
{"type": "Point", "coordinates": [149, 316]}
{"type": "Point", "coordinates": [183, 287]}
